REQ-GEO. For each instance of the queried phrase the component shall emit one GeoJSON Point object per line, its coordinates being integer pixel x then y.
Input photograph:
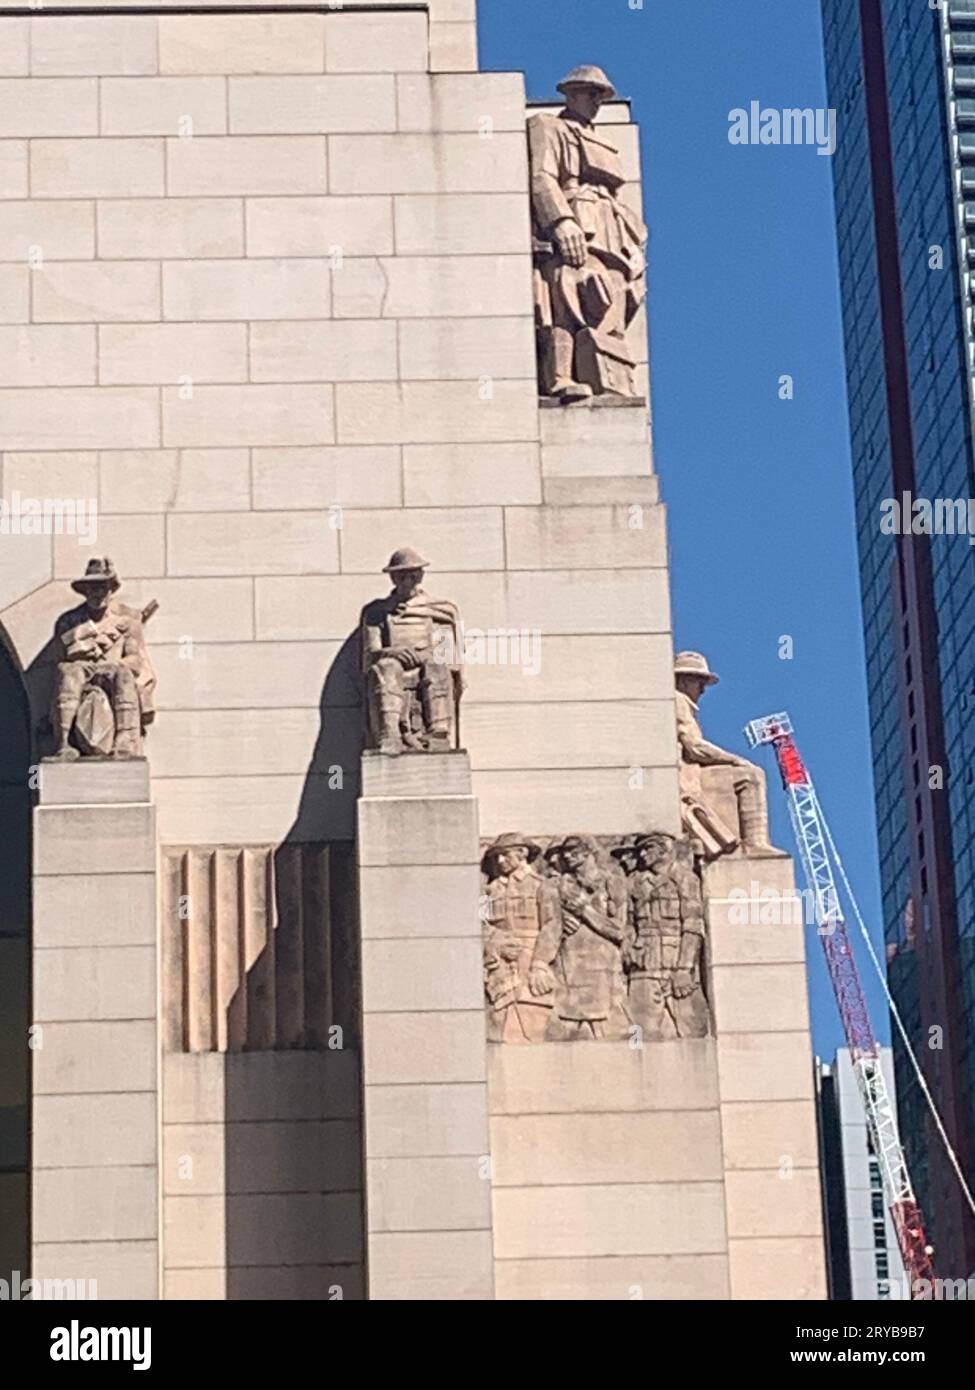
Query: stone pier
{"type": "Point", "coordinates": [428, 1178]}
{"type": "Point", "coordinates": [95, 1016]}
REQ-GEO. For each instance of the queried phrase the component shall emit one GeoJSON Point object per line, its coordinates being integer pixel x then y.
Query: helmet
{"type": "Point", "coordinates": [694, 664]}
{"type": "Point", "coordinates": [588, 76]}
{"type": "Point", "coordinates": [405, 559]}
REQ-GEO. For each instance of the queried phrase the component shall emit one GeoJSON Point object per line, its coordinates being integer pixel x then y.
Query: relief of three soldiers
{"type": "Point", "coordinates": [584, 949]}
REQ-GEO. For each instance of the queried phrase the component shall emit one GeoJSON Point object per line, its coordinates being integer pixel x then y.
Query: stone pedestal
{"type": "Point", "coordinates": [428, 1180]}
{"type": "Point", "coordinates": [95, 1122]}
{"type": "Point", "coordinates": [765, 1079]}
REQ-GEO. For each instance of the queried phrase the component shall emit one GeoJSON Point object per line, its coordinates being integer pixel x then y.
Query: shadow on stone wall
{"type": "Point", "coordinates": [293, 1143]}
{"type": "Point", "coordinates": [16, 756]}
{"type": "Point", "coordinates": [326, 808]}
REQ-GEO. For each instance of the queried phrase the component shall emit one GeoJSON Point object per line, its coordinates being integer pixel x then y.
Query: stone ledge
{"type": "Point", "coordinates": [94, 781]}
{"type": "Point", "coordinates": [416, 774]}
{"type": "Point", "coordinates": [604, 402]}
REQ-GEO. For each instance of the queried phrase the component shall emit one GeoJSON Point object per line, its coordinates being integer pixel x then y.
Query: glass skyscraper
{"type": "Point", "coordinates": [901, 77]}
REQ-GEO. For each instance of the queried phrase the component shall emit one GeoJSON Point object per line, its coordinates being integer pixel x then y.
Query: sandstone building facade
{"type": "Point", "coordinates": [268, 295]}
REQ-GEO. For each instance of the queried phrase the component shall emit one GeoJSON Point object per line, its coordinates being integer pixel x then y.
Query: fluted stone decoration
{"type": "Point", "coordinates": [590, 265]}
{"type": "Point", "coordinates": [103, 690]}
{"type": "Point", "coordinates": [258, 950]}
{"type": "Point", "coordinates": [412, 654]}
{"type": "Point", "coordinates": [590, 938]}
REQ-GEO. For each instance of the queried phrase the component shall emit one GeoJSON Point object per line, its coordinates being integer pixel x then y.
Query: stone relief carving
{"type": "Point", "coordinates": [523, 931]}
{"type": "Point", "coordinates": [663, 952]}
{"type": "Point", "coordinates": [589, 938]}
{"type": "Point", "coordinates": [590, 265]}
{"type": "Point", "coordinates": [589, 964]}
{"type": "Point", "coordinates": [700, 818]}
{"type": "Point", "coordinates": [104, 684]}
{"type": "Point", "coordinates": [412, 664]}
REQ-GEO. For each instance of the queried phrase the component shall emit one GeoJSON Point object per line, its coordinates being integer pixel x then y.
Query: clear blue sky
{"type": "Point", "coordinates": [743, 289]}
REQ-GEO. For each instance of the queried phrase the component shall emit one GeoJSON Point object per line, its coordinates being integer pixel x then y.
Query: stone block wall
{"type": "Point", "coordinates": [765, 1067]}
{"type": "Point", "coordinates": [266, 296]}
{"type": "Point", "coordinates": [261, 1176]}
{"type": "Point", "coordinates": [425, 1093]}
{"type": "Point", "coordinates": [94, 1145]}
{"type": "Point", "coordinates": [607, 1171]}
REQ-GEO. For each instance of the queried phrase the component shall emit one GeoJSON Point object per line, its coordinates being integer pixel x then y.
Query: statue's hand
{"type": "Point", "coordinates": [408, 658]}
{"type": "Point", "coordinates": [540, 980]}
{"type": "Point", "coordinates": [83, 651]}
{"type": "Point", "coordinates": [682, 984]}
{"type": "Point", "coordinates": [570, 241]}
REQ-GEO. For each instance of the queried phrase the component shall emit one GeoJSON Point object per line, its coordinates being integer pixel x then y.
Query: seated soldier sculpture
{"type": "Point", "coordinates": [103, 689]}
{"type": "Point", "coordinates": [412, 656]}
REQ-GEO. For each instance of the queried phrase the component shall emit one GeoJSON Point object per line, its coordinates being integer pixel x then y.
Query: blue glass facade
{"type": "Point", "coordinates": [904, 307]}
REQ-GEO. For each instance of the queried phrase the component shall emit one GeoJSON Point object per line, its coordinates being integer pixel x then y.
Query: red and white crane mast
{"type": "Point", "coordinates": [815, 851]}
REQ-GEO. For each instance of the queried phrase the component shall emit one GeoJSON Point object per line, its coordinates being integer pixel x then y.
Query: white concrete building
{"type": "Point", "coordinates": [863, 1256]}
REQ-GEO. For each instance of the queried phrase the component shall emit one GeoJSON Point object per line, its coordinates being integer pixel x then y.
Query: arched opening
{"type": "Point", "coordinates": [15, 974]}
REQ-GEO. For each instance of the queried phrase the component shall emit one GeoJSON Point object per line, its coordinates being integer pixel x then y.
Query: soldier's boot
{"type": "Point", "coordinates": [66, 711]}
{"type": "Point", "coordinates": [753, 812]}
{"type": "Point", "coordinates": [435, 704]}
{"type": "Point", "coordinates": [561, 355]}
{"type": "Point", "coordinates": [128, 733]}
{"type": "Point", "coordinates": [390, 734]}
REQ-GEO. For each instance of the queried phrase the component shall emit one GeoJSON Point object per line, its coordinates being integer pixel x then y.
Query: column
{"type": "Point", "coordinates": [765, 1079]}
{"type": "Point", "coordinates": [94, 1159]}
{"type": "Point", "coordinates": [428, 1188]}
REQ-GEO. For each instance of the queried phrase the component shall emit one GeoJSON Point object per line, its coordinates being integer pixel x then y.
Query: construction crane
{"type": "Point", "coordinates": [818, 853]}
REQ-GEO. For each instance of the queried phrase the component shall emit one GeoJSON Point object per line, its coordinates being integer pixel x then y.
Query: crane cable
{"type": "Point", "coordinates": [932, 1106]}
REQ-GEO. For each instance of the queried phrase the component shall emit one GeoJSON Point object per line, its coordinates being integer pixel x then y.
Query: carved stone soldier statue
{"type": "Point", "coordinates": [701, 820]}
{"type": "Point", "coordinates": [521, 937]}
{"type": "Point", "coordinates": [412, 655]}
{"type": "Point", "coordinates": [590, 999]}
{"type": "Point", "coordinates": [662, 953]}
{"type": "Point", "coordinates": [105, 680]}
{"type": "Point", "coordinates": [590, 266]}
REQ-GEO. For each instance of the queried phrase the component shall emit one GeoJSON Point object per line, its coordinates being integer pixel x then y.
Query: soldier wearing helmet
{"type": "Point", "coordinates": [104, 681]}
{"type": "Point", "coordinates": [663, 950]}
{"type": "Point", "coordinates": [522, 930]}
{"type": "Point", "coordinates": [591, 991]}
{"type": "Point", "coordinates": [412, 655]}
{"type": "Point", "coordinates": [590, 264]}
{"type": "Point", "coordinates": [693, 676]}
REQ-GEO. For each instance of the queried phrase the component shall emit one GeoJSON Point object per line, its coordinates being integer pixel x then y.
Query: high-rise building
{"type": "Point", "coordinates": [904, 177]}
{"type": "Point", "coordinates": [863, 1261]}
